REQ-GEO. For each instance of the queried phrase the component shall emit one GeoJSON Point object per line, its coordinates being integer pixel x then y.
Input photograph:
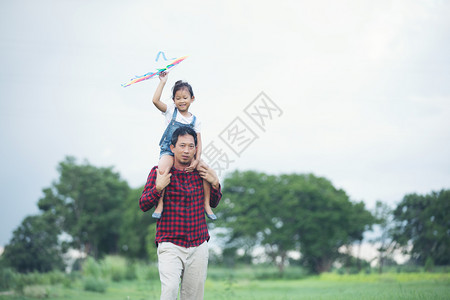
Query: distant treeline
{"type": "Point", "coordinates": [92, 209]}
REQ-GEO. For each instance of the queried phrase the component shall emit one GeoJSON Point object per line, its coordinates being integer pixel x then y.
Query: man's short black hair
{"type": "Point", "coordinates": [183, 130]}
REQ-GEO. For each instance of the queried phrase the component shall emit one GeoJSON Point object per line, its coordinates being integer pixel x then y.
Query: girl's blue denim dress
{"type": "Point", "coordinates": [166, 139]}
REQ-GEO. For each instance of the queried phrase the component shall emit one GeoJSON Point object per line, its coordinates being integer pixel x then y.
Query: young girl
{"type": "Point", "coordinates": [177, 114]}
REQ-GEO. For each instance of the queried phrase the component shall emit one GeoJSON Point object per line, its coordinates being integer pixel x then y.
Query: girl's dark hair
{"type": "Point", "coordinates": [181, 85]}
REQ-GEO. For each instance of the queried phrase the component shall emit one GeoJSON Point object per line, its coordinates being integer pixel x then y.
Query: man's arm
{"type": "Point", "coordinates": [156, 182]}
{"type": "Point", "coordinates": [215, 196]}
{"type": "Point", "coordinates": [210, 175]}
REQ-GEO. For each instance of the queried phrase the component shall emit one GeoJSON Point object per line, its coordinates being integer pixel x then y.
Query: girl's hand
{"type": "Point", "coordinates": [163, 76]}
{"type": "Point", "coordinates": [192, 166]}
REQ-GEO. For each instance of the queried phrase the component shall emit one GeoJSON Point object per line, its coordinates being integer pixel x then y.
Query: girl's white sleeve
{"type": "Point", "coordinates": [169, 112]}
{"type": "Point", "coordinates": [198, 126]}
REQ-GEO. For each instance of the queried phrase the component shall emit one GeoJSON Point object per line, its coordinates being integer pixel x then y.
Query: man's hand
{"type": "Point", "coordinates": [209, 175]}
{"type": "Point", "coordinates": [162, 180]}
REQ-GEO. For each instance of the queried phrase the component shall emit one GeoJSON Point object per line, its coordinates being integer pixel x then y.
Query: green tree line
{"type": "Point", "coordinates": [93, 210]}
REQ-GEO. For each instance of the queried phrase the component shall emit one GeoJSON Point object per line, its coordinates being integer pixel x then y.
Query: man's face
{"type": "Point", "coordinates": [185, 149]}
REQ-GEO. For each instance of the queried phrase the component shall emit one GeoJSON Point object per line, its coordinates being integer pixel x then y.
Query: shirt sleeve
{"type": "Point", "coordinates": [150, 195]}
{"type": "Point", "coordinates": [169, 112]}
{"type": "Point", "coordinates": [215, 196]}
{"type": "Point", "coordinates": [198, 125]}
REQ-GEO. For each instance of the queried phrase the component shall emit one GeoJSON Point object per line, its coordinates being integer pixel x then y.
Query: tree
{"type": "Point", "coordinates": [383, 214]}
{"type": "Point", "coordinates": [326, 218]}
{"type": "Point", "coordinates": [292, 212]}
{"type": "Point", "coordinates": [34, 246]}
{"type": "Point", "coordinates": [135, 229]}
{"type": "Point", "coordinates": [249, 211]}
{"type": "Point", "coordinates": [150, 243]}
{"type": "Point", "coordinates": [424, 223]}
{"type": "Point", "coordinates": [88, 202]}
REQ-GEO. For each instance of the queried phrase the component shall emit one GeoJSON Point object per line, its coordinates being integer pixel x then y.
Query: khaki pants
{"type": "Point", "coordinates": [189, 265]}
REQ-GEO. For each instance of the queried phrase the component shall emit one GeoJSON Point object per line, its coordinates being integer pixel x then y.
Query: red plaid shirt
{"type": "Point", "coordinates": [183, 219]}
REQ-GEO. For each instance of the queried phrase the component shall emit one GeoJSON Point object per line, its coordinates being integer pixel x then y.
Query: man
{"type": "Point", "coordinates": [181, 232]}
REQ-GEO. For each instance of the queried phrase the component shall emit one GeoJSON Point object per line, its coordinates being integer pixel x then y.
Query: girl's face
{"type": "Point", "coordinates": [183, 100]}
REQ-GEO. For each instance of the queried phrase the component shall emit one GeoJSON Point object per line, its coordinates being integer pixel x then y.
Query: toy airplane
{"type": "Point", "coordinates": [157, 72]}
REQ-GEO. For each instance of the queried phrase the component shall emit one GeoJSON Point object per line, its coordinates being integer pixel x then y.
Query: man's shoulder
{"type": "Point", "coordinates": [153, 170]}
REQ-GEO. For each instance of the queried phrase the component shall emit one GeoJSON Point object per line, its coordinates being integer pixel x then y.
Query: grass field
{"type": "Point", "coordinates": [240, 284]}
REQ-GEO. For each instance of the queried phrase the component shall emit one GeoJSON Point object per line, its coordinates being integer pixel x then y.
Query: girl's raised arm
{"type": "Point", "coordinates": [157, 96]}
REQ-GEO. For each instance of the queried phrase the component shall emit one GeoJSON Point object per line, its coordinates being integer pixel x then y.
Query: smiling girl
{"type": "Point", "coordinates": [177, 114]}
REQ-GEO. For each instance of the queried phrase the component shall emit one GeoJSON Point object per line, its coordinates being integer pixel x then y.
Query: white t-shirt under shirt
{"type": "Point", "coordinates": [180, 118]}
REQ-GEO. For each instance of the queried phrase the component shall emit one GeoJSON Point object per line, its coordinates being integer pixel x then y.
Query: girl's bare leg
{"type": "Point", "coordinates": [165, 163]}
{"type": "Point", "coordinates": [207, 191]}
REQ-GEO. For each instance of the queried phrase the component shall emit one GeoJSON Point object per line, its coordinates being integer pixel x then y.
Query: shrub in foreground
{"type": "Point", "coordinates": [94, 285]}
{"type": "Point", "coordinates": [36, 291]}
{"type": "Point", "coordinates": [7, 279]}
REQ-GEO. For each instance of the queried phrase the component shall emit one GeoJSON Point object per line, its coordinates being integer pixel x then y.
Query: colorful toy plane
{"type": "Point", "coordinates": [152, 74]}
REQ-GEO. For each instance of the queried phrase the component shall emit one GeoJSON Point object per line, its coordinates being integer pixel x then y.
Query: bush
{"type": "Point", "coordinates": [408, 268]}
{"type": "Point", "coordinates": [7, 279]}
{"type": "Point", "coordinates": [55, 277]}
{"type": "Point", "coordinates": [114, 267]}
{"type": "Point", "coordinates": [130, 273]}
{"type": "Point", "coordinates": [150, 273]}
{"type": "Point", "coordinates": [91, 268]}
{"type": "Point", "coordinates": [29, 279]}
{"type": "Point", "coordinates": [94, 285]}
{"type": "Point", "coordinates": [429, 264]}
{"type": "Point", "coordinates": [117, 274]}
{"type": "Point", "coordinates": [36, 291]}
{"type": "Point", "coordinates": [295, 273]}
{"type": "Point", "coordinates": [19, 284]}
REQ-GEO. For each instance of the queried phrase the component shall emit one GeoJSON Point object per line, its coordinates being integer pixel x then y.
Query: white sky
{"type": "Point", "coordinates": [363, 86]}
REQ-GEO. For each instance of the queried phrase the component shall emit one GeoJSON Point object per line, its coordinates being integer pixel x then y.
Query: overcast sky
{"type": "Point", "coordinates": [359, 90]}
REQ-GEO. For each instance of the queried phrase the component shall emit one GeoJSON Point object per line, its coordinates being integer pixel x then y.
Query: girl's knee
{"type": "Point", "coordinates": [165, 163]}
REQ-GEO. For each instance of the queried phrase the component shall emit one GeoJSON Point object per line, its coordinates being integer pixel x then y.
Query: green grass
{"type": "Point", "coordinates": [246, 283]}
{"type": "Point", "coordinates": [315, 288]}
